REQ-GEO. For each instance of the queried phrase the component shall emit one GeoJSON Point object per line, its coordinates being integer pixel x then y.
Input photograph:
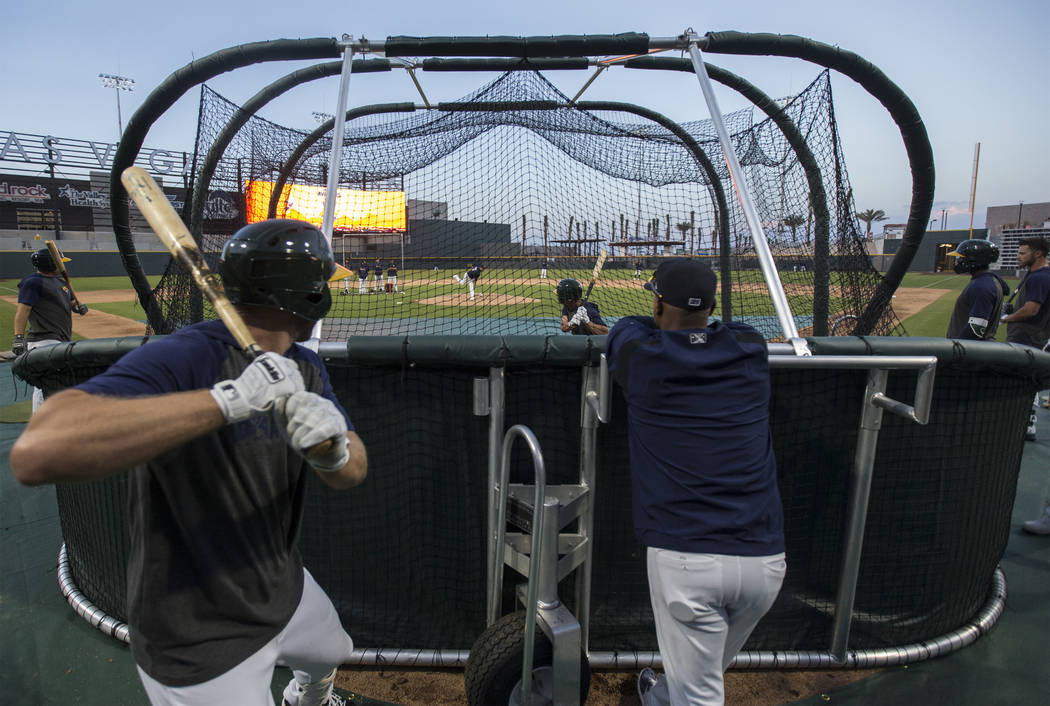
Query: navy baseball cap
{"type": "Point", "coordinates": [685, 283]}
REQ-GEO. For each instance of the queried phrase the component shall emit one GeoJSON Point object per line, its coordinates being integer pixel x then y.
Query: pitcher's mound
{"type": "Point", "coordinates": [481, 299]}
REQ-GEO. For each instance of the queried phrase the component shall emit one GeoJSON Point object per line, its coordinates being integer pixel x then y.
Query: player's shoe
{"type": "Point", "coordinates": [456, 279]}
{"type": "Point", "coordinates": [338, 697]}
{"type": "Point", "coordinates": [1040, 526]}
{"type": "Point", "coordinates": [646, 681]}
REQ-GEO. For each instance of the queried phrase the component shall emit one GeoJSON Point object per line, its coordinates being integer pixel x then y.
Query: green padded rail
{"type": "Point", "coordinates": [50, 367]}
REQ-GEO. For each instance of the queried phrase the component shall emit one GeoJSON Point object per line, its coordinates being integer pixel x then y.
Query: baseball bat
{"type": "Point", "coordinates": [166, 223]}
{"type": "Point", "coordinates": [602, 257]}
{"type": "Point", "coordinates": [56, 257]}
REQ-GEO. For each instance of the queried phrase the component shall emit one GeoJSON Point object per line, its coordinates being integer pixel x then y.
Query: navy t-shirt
{"type": "Point", "coordinates": [1035, 330]}
{"type": "Point", "coordinates": [214, 571]}
{"type": "Point", "coordinates": [48, 299]}
{"type": "Point", "coordinates": [702, 467]}
{"type": "Point", "coordinates": [977, 310]}
{"type": "Point", "coordinates": [592, 314]}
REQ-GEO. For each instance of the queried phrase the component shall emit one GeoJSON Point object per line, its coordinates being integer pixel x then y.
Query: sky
{"type": "Point", "coordinates": [977, 71]}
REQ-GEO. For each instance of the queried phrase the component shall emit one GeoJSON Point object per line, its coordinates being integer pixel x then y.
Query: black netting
{"type": "Point", "coordinates": [403, 557]}
{"type": "Point", "coordinates": [506, 179]}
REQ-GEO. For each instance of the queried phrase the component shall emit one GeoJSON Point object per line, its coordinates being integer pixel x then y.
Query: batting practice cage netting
{"type": "Point", "coordinates": [518, 180]}
{"type": "Point", "coordinates": [403, 556]}
{"type": "Point", "coordinates": [529, 186]}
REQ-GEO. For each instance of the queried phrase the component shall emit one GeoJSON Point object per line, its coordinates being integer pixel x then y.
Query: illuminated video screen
{"type": "Point", "coordinates": [355, 211]}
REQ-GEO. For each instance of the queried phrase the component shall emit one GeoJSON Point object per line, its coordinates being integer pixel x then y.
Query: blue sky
{"type": "Point", "coordinates": [976, 71]}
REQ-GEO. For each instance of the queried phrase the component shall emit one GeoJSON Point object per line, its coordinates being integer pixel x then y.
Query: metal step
{"type": "Point", "coordinates": [573, 501]}
{"type": "Point", "coordinates": [572, 552]}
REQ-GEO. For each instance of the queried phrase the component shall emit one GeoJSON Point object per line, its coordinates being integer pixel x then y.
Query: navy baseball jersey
{"type": "Point", "coordinates": [378, 269]}
{"type": "Point", "coordinates": [204, 591]}
{"type": "Point", "coordinates": [977, 310]}
{"type": "Point", "coordinates": [362, 272]}
{"type": "Point", "coordinates": [48, 297]}
{"type": "Point", "coordinates": [702, 467]}
{"type": "Point", "coordinates": [474, 272]}
{"type": "Point", "coordinates": [391, 271]}
{"type": "Point", "coordinates": [1035, 330]}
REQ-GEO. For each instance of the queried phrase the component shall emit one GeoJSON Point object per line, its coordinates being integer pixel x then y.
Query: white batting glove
{"type": "Point", "coordinates": [310, 420]}
{"type": "Point", "coordinates": [268, 378]}
{"type": "Point", "coordinates": [575, 320]}
{"type": "Point", "coordinates": [581, 313]}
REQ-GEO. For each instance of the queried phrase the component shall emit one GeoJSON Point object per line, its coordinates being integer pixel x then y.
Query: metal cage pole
{"type": "Point", "coordinates": [758, 237]}
{"type": "Point", "coordinates": [334, 159]}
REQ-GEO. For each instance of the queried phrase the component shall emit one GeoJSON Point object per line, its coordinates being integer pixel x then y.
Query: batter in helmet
{"type": "Point", "coordinates": [578, 317]}
{"type": "Point", "coordinates": [279, 264]}
{"type": "Point", "coordinates": [979, 306]}
{"type": "Point", "coordinates": [973, 255]}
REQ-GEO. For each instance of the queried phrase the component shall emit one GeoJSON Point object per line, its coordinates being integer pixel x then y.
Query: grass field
{"type": "Point", "coordinates": [621, 296]}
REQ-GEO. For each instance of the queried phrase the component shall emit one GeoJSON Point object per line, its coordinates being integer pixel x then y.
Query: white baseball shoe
{"type": "Point", "coordinates": [1040, 526]}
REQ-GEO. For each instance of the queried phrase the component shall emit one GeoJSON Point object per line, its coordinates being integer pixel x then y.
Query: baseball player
{"type": "Point", "coordinates": [362, 278]}
{"type": "Point", "coordinates": [1029, 324]}
{"type": "Point", "coordinates": [543, 269]}
{"type": "Point", "coordinates": [377, 279]}
{"type": "Point", "coordinates": [979, 306]}
{"type": "Point", "coordinates": [637, 269]}
{"type": "Point", "coordinates": [703, 476]}
{"type": "Point", "coordinates": [578, 317]}
{"type": "Point", "coordinates": [391, 278]}
{"type": "Point", "coordinates": [469, 278]}
{"type": "Point", "coordinates": [43, 310]}
{"type": "Point", "coordinates": [219, 461]}
{"type": "Point", "coordinates": [346, 280]}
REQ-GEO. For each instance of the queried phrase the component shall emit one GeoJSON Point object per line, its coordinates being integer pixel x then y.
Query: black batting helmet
{"type": "Point", "coordinates": [569, 290]}
{"type": "Point", "coordinates": [279, 264]}
{"type": "Point", "coordinates": [973, 255]}
{"type": "Point", "coordinates": [42, 261]}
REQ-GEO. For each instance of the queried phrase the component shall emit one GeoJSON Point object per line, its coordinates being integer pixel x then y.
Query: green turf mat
{"type": "Point", "coordinates": [17, 413]}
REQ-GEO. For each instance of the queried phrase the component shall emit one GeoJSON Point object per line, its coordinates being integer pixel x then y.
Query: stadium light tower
{"type": "Point", "coordinates": [321, 117]}
{"type": "Point", "coordinates": [118, 83]}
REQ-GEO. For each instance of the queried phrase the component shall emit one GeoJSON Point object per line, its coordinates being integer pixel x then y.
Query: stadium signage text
{"type": "Point", "coordinates": [55, 151]}
{"type": "Point", "coordinates": [24, 193]}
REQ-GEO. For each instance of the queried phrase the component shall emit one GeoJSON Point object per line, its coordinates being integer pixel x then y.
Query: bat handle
{"type": "Point", "coordinates": [314, 451]}
{"type": "Point", "coordinates": [321, 449]}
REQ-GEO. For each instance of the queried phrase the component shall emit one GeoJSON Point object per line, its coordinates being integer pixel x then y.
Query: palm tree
{"type": "Point", "coordinates": [685, 227]}
{"type": "Point", "coordinates": [871, 215]}
{"type": "Point", "coordinates": [794, 221]}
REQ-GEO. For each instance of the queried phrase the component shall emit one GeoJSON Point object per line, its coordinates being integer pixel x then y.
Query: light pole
{"type": "Point", "coordinates": [118, 83]}
{"type": "Point", "coordinates": [321, 117]}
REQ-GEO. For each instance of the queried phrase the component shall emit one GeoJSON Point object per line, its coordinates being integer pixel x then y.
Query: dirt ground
{"type": "Point", "coordinates": [411, 687]}
{"type": "Point", "coordinates": [482, 299]}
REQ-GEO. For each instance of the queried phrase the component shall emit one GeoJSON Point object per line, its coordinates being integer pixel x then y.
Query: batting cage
{"type": "Point", "coordinates": [529, 186]}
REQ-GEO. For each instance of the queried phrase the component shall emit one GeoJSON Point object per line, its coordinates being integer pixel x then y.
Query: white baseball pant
{"type": "Point", "coordinates": [313, 644]}
{"type": "Point", "coordinates": [705, 607]}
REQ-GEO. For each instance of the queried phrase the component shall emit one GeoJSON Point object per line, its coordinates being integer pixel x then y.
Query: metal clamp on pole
{"type": "Point", "coordinates": [920, 411]}
{"type": "Point", "coordinates": [599, 400]}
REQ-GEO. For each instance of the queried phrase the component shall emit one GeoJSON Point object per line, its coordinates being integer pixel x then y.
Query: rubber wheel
{"type": "Point", "coordinates": [494, 668]}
